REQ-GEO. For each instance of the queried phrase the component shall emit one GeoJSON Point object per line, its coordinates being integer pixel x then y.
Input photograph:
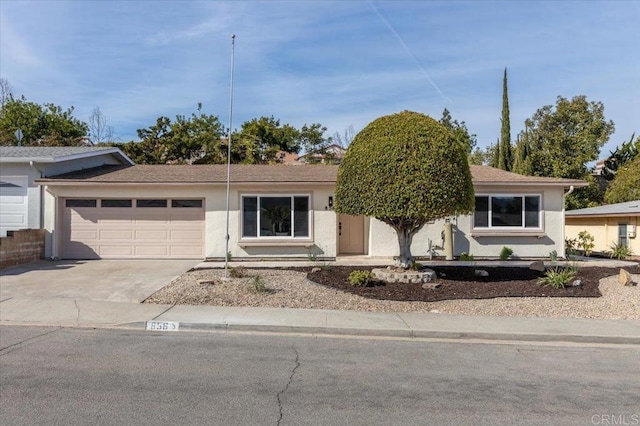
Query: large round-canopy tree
{"type": "Point", "coordinates": [405, 169]}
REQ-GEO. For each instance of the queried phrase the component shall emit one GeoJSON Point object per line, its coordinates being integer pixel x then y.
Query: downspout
{"type": "Point", "coordinates": [564, 225]}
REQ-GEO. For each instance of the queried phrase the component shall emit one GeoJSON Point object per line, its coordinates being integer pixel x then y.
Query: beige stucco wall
{"type": "Point", "coordinates": [323, 226]}
{"type": "Point", "coordinates": [384, 242]}
{"type": "Point", "coordinates": [604, 230]}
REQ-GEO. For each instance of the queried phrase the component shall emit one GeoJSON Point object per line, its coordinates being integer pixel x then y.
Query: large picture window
{"type": "Point", "coordinates": [273, 216]}
{"type": "Point", "coordinates": [507, 211]}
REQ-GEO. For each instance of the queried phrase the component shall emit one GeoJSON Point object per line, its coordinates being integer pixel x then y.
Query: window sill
{"type": "Point", "coordinates": [498, 233]}
{"type": "Point", "coordinates": [276, 243]}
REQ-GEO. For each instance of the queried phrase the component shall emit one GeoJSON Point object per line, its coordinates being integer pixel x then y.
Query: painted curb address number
{"type": "Point", "coordinates": [163, 325]}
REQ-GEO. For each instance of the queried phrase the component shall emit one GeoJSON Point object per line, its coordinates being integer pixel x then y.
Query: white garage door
{"type": "Point", "coordinates": [13, 203]}
{"type": "Point", "coordinates": [132, 228]}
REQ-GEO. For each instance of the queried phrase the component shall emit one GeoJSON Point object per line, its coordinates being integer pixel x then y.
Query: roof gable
{"type": "Point", "coordinates": [56, 154]}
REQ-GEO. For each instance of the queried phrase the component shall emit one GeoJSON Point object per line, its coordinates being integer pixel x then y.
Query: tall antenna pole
{"type": "Point", "coordinates": [226, 253]}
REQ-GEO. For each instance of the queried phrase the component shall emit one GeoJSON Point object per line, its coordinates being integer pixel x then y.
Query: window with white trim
{"type": "Point", "coordinates": [275, 216]}
{"type": "Point", "coordinates": [507, 212]}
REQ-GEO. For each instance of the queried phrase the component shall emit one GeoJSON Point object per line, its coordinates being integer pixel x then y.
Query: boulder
{"type": "Point", "coordinates": [538, 265]}
{"type": "Point", "coordinates": [430, 286]}
{"type": "Point", "coordinates": [625, 278]}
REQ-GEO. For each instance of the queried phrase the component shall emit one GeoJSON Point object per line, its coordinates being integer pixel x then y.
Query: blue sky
{"type": "Point", "coordinates": [337, 63]}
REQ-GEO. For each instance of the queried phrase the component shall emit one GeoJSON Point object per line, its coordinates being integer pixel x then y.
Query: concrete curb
{"type": "Point", "coordinates": [399, 333]}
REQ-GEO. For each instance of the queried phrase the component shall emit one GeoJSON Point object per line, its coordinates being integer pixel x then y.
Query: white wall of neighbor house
{"type": "Point", "coordinates": [383, 240]}
{"type": "Point", "coordinates": [33, 191]}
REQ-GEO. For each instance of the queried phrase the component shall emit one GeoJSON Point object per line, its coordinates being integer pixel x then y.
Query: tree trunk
{"type": "Point", "coordinates": [405, 237]}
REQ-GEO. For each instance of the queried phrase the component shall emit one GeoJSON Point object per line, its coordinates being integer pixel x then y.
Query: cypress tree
{"type": "Point", "coordinates": [505, 160]}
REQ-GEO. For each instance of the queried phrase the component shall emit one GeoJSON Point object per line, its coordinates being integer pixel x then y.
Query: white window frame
{"type": "Point", "coordinates": [281, 238]}
{"type": "Point", "coordinates": [523, 228]}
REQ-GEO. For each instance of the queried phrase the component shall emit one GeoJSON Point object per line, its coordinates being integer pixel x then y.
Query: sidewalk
{"type": "Point", "coordinates": [102, 314]}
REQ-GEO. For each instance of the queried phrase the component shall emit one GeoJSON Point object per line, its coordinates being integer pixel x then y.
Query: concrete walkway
{"type": "Point", "coordinates": [71, 311]}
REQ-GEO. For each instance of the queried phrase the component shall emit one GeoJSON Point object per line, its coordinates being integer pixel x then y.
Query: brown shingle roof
{"type": "Point", "coordinates": [217, 173]}
{"type": "Point", "coordinates": [202, 173]}
{"type": "Point", "coordinates": [491, 175]}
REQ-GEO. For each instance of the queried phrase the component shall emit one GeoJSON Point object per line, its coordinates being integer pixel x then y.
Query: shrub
{"type": "Point", "coordinates": [257, 285]}
{"type": "Point", "coordinates": [505, 253]}
{"type": "Point", "coordinates": [361, 278]}
{"type": "Point", "coordinates": [619, 251]}
{"type": "Point", "coordinates": [558, 277]}
{"type": "Point", "coordinates": [570, 246]}
{"type": "Point", "coordinates": [237, 272]}
{"type": "Point", "coordinates": [466, 257]}
{"type": "Point", "coordinates": [585, 242]}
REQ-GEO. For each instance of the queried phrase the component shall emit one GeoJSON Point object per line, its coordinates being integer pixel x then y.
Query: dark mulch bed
{"type": "Point", "coordinates": [461, 283]}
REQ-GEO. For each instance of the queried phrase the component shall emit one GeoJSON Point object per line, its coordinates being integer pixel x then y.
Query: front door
{"type": "Point", "coordinates": [350, 234]}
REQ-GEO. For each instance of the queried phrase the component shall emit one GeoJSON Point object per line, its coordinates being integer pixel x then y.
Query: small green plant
{"type": "Point", "coordinates": [505, 253]}
{"type": "Point", "coordinates": [361, 278]}
{"type": "Point", "coordinates": [620, 251]}
{"type": "Point", "coordinates": [229, 256]}
{"type": "Point", "coordinates": [416, 266]}
{"type": "Point", "coordinates": [466, 257]}
{"type": "Point", "coordinates": [312, 256]}
{"type": "Point", "coordinates": [570, 245]}
{"type": "Point", "coordinates": [237, 272]}
{"type": "Point", "coordinates": [585, 242]}
{"type": "Point", "coordinates": [558, 277]}
{"type": "Point", "coordinates": [257, 285]}
{"type": "Point", "coordinates": [553, 255]}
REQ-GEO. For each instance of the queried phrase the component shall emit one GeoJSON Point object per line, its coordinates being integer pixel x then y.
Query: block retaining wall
{"type": "Point", "coordinates": [19, 247]}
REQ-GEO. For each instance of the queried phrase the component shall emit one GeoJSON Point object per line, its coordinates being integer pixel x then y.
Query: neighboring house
{"type": "Point", "coordinates": [278, 212]}
{"type": "Point", "coordinates": [332, 154]}
{"type": "Point", "coordinates": [20, 198]}
{"type": "Point", "coordinates": [613, 223]}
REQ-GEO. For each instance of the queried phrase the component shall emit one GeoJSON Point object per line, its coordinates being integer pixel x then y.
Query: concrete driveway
{"type": "Point", "coordinates": [110, 280]}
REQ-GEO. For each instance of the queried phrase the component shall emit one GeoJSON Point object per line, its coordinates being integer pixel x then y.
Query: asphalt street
{"type": "Point", "coordinates": [112, 377]}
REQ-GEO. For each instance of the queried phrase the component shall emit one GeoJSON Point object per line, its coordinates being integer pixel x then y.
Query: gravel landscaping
{"type": "Point", "coordinates": [506, 292]}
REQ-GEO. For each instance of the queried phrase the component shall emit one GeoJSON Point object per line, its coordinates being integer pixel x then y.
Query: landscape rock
{"type": "Point", "coordinates": [315, 270]}
{"type": "Point", "coordinates": [481, 273]}
{"type": "Point", "coordinates": [538, 265]}
{"type": "Point", "coordinates": [205, 282]}
{"type": "Point", "coordinates": [431, 286]}
{"type": "Point", "coordinates": [577, 283]}
{"type": "Point", "coordinates": [625, 278]}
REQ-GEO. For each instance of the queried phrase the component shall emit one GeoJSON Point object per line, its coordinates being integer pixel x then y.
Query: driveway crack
{"type": "Point", "coordinates": [75, 302]}
{"type": "Point", "coordinates": [293, 372]}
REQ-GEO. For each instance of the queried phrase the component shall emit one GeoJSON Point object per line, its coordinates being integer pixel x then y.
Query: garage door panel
{"type": "Point", "coordinates": [186, 235]}
{"type": "Point", "coordinates": [134, 232]}
{"type": "Point", "coordinates": [118, 250]}
{"type": "Point", "coordinates": [156, 250]}
{"type": "Point", "coordinates": [151, 235]}
{"type": "Point", "coordinates": [116, 234]}
{"type": "Point", "coordinates": [84, 235]}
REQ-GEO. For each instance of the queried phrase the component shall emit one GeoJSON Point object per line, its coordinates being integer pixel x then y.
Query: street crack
{"type": "Point", "coordinates": [11, 348]}
{"type": "Point", "coordinates": [293, 372]}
